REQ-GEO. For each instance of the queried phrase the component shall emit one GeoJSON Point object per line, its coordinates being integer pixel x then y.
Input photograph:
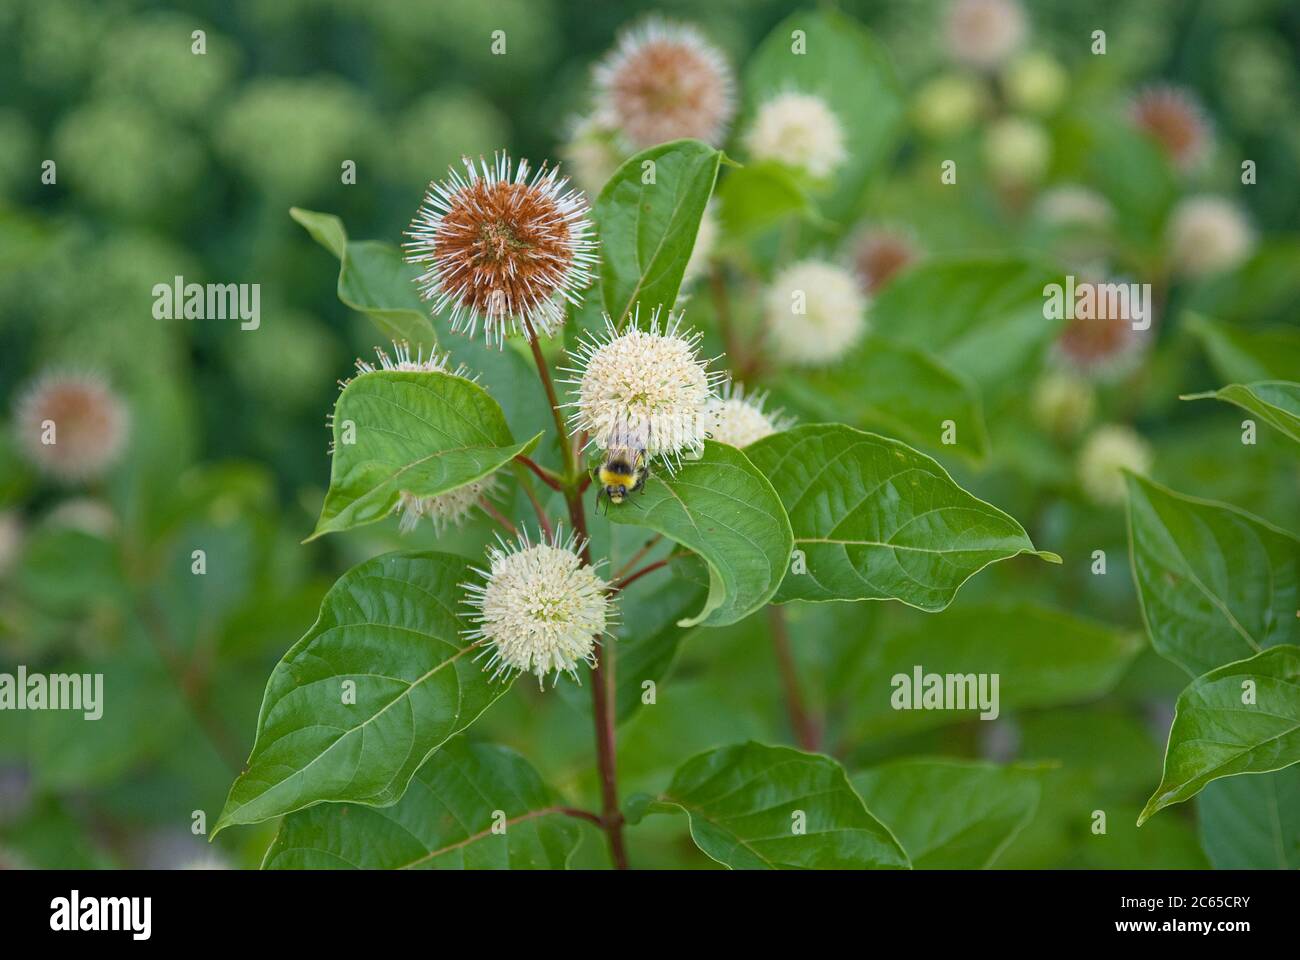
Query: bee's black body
{"type": "Point", "coordinates": [623, 472]}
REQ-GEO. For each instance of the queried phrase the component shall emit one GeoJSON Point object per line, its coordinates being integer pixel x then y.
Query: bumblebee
{"type": "Point", "coordinates": [623, 471]}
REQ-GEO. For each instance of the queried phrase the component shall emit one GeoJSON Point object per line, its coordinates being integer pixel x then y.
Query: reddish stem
{"type": "Point", "coordinates": [611, 818]}
{"type": "Point", "coordinates": [632, 562]}
{"type": "Point", "coordinates": [542, 519]}
{"type": "Point", "coordinates": [627, 581]}
{"type": "Point", "coordinates": [546, 476]}
{"type": "Point", "coordinates": [496, 515]}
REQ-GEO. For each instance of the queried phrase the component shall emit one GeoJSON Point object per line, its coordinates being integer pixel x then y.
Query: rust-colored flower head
{"type": "Point", "coordinates": [1175, 120]}
{"type": "Point", "coordinates": [72, 426]}
{"type": "Point", "coordinates": [1100, 341]}
{"type": "Point", "coordinates": [664, 81]}
{"type": "Point", "coordinates": [501, 247]}
{"type": "Point", "coordinates": [881, 253]}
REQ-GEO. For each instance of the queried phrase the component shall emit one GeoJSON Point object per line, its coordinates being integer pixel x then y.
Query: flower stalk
{"type": "Point", "coordinates": [602, 707]}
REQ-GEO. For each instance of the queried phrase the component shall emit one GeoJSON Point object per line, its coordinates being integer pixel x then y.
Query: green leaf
{"type": "Point", "coordinates": [1133, 173]}
{"type": "Point", "coordinates": [1042, 657]}
{"type": "Point", "coordinates": [981, 316]}
{"type": "Point", "coordinates": [1243, 717]}
{"type": "Point", "coordinates": [413, 432]}
{"type": "Point", "coordinates": [755, 197]}
{"type": "Point", "coordinates": [846, 66]}
{"type": "Point", "coordinates": [372, 280]}
{"type": "Point", "coordinates": [898, 389]}
{"type": "Point", "coordinates": [877, 520]}
{"type": "Point", "coordinates": [1246, 355]}
{"type": "Point", "coordinates": [725, 510]}
{"type": "Point", "coordinates": [1215, 583]}
{"type": "Point", "coordinates": [444, 821]}
{"type": "Point", "coordinates": [1252, 823]}
{"type": "Point", "coordinates": [744, 802]}
{"type": "Point", "coordinates": [648, 637]}
{"type": "Point", "coordinates": [391, 627]}
{"type": "Point", "coordinates": [951, 814]}
{"type": "Point", "coordinates": [1276, 402]}
{"type": "Point", "coordinates": [375, 281]}
{"type": "Point", "coordinates": [647, 230]}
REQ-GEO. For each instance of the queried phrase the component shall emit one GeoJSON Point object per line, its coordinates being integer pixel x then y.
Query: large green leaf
{"type": "Point", "coordinates": [982, 316]}
{"type": "Point", "coordinates": [375, 281]}
{"type": "Point", "coordinates": [1252, 823]}
{"type": "Point", "coordinates": [725, 510]}
{"type": "Point", "coordinates": [647, 229]}
{"type": "Point", "coordinates": [389, 630]}
{"type": "Point", "coordinates": [1215, 583]}
{"type": "Point", "coordinates": [846, 66]}
{"type": "Point", "coordinates": [1245, 354]}
{"type": "Point", "coordinates": [877, 520]}
{"type": "Point", "coordinates": [951, 814]}
{"type": "Point", "coordinates": [1243, 717]}
{"type": "Point", "coordinates": [1041, 657]}
{"type": "Point", "coordinates": [649, 637]}
{"type": "Point", "coordinates": [753, 198]}
{"type": "Point", "coordinates": [1276, 402]}
{"type": "Point", "coordinates": [646, 640]}
{"type": "Point", "coordinates": [744, 802]}
{"type": "Point", "coordinates": [414, 432]}
{"type": "Point", "coordinates": [445, 820]}
{"type": "Point", "coordinates": [898, 389]}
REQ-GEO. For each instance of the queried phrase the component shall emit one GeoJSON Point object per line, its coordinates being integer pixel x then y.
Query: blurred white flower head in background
{"type": "Point", "coordinates": [800, 131]}
{"type": "Point", "coordinates": [1208, 234]}
{"type": "Point", "coordinates": [1107, 453]}
{"type": "Point", "coordinates": [814, 312]}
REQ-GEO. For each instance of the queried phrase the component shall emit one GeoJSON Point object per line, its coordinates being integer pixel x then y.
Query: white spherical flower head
{"type": "Point", "coordinates": [664, 81]}
{"type": "Point", "coordinates": [445, 509]}
{"type": "Point", "coordinates": [1108, 452]}
{"type": "Point", "coordinates": [500, 246]}
{"type": "Point", "coordinates": [798, 130]}
{"type": "Point", "coordinates": [1071, 205]}
{"type": "Point", "coordinates": [539, 609]}
{"type": "Point", "coordinates": [815, 311]}
{"type": "Point", "coordinates": [645, 388]}
{"type": "Point", "coordinates": [403, 360]}
{"type": "Point", "coordinates": [71, 426]}
{"type": "Point", "coordinates": [1208, 235]}
{"type": "Point", "coordinates": [983, 33]}
{"type": "Point", "coordinates": [740, 420]}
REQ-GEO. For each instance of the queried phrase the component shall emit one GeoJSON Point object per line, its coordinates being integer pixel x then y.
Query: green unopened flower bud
{"type": "Point", "coordinates": [1017, 151]}
{"type": "Point", "coordinates": [947, 105]}
{"type": "Point", "coordinates": [1035, 82]}
{"type": "Point", "coordinates": [1063, 403]}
